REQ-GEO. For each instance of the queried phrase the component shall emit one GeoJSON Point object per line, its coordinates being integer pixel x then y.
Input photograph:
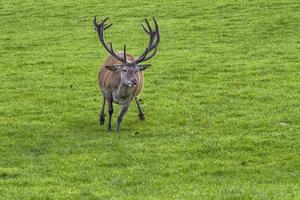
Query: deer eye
{"type": "Point", "coordinates": [124, 70]}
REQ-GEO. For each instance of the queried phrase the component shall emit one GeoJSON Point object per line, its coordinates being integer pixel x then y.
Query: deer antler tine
{"type": "Point", "coordinates": [95, 20]}
{"type": "Point", "coordinates": [96, 26]}
{"type": "Point", "coordinates": [144, 54]}
{"type": "Point", "coordinates": [149, 57]}
{"type": "Point", "coordinates": [155, 23]}
{"type": "Point", "coordinates": [112, 52]}
{"type": "Point", "coordinates": [107, 26]}
{"type": "Point", "coordinates": [145, 29]}
{"type": "Point", "coordinates": [153, 54]}
{"type": "Point", "coordinates": [125, 53]}
{"type": "Point", "coordinates": [104, 20]}
{"type": "Point", "coordinates": [149, 27]}
{"type": "Point", "coordinates": [111, 46]}
{"type": "Point", "coordinates": [156, 30]}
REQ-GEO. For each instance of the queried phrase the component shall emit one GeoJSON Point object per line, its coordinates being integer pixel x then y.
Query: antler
{"type": "Point", "coordinates": [154, 41]}
{"type": "Point", "coordinates": [100, 28]}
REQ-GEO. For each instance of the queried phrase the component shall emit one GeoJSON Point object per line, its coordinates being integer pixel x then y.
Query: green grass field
{"type": "Point", "coordinates": [222, 101]}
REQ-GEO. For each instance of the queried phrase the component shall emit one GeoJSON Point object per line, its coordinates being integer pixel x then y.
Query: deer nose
{"type": "Point", "coordinates": [134, 81]}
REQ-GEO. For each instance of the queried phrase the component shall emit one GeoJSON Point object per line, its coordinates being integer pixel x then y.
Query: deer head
{"type": "Point", "coordinates": [127, 68]}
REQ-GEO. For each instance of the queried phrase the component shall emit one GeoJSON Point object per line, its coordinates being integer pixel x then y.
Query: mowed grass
{"type": "Point", "coordinates": [222, 101]}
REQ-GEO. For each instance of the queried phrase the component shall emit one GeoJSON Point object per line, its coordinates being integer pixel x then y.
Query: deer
{"type": "Point", "coordinates": [121, 76]}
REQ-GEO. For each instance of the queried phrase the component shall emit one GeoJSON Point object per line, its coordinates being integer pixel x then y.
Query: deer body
{"type": "Point", "coordinates": [121, 76]}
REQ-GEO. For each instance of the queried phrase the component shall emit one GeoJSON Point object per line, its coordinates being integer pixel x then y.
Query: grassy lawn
{"type": "Point", "coordinates": [221, 101]}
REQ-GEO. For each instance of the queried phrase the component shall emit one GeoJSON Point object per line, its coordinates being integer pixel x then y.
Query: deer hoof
{"type": "Point", "coordinates": [142, 116]}
{"type": "Point", "coordinates": [102, 120]}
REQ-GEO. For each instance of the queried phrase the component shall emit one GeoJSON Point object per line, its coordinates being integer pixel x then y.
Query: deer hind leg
{"type": "Point", "coordinates": [141, 113]}
{"type": "Point", "coordinates": [102, 115]}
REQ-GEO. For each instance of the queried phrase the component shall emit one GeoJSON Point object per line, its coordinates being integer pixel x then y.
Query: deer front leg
{"type": "Point", "coordinates": [141, 113]}
{"type": "Point", "coordinates": [110, 112]}
{"type": "Point", "coordinates": [102, 115]}
{"type": "Point", "coordinates": [121, 115]}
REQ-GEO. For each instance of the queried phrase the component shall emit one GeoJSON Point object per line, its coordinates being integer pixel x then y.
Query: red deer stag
{"type": "Point", "coordinates": [121, 76]}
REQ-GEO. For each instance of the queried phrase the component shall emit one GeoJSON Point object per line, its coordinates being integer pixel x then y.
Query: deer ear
{"type": "Point", "coordinates": [143, 67]}
{"type": "Point", "coordinates": [113, 67]}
